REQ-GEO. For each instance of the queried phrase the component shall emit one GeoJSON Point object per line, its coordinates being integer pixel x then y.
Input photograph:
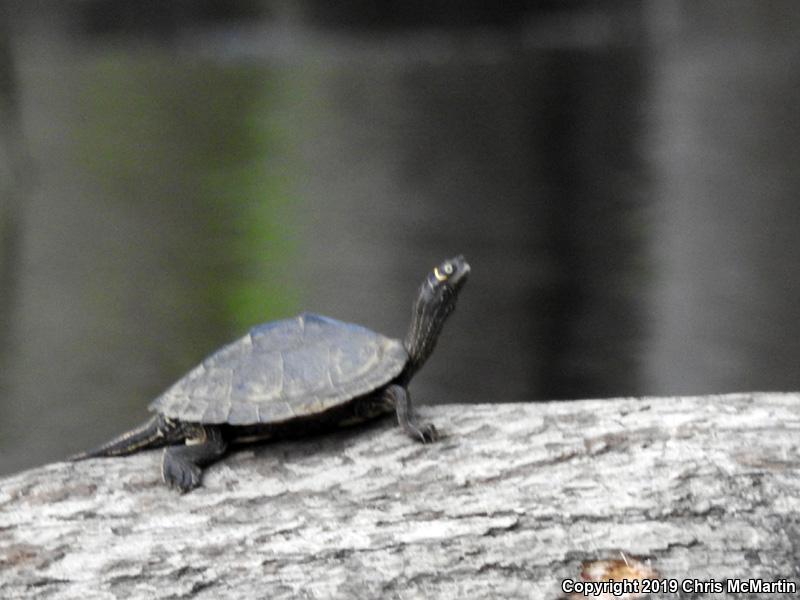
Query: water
{"type": "Point", "coordinates": [627, 209]}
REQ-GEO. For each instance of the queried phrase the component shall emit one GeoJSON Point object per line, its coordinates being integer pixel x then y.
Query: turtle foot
{"type": "Point", "coordinates": [180, 474]}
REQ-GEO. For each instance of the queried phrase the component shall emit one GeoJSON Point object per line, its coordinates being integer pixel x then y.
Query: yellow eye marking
{"type": "Point", "coordinates": [439, 276]}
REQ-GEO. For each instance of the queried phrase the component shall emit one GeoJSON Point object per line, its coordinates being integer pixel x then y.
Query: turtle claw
{"type": "Point", "coordinates": [428, 433]}
{"type": "Point", "coordinates": [425, 433]}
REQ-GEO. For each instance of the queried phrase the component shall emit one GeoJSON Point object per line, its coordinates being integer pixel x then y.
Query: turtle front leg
{"type": "Point", "coordinates": [182, 466]}
{"type": "Point", "coordinates": [422, 432]}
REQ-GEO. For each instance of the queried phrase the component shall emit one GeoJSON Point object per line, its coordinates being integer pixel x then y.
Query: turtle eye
{"type": "Point", "coordinates": [442, 272]}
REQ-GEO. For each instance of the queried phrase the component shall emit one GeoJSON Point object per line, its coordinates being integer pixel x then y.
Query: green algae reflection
{"type": "Point", "coordinates": [192, 150]}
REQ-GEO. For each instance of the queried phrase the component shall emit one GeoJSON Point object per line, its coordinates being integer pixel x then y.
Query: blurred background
{"type": "Point", "coordinates": [622, 176]}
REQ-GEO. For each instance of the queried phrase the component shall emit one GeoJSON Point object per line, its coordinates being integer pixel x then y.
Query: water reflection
{"type": "Point", "coordinates": [183, 195]}
{"type": "Point", "coordinates": [155, 231]}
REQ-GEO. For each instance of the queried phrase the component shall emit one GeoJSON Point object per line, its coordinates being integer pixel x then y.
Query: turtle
{"type": "Point", "coordinates": [291, 378]}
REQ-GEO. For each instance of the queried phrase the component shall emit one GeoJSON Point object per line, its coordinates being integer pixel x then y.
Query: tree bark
{"type": "Point", "coordinates": [508, 504]}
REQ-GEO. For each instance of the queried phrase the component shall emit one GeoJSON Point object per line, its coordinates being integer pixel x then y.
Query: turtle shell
{"type": "Point", "coordinates": [291, 368]}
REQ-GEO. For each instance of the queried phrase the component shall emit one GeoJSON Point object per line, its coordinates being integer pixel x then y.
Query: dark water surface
{"type": "Point", "coordinates": [628, 208]}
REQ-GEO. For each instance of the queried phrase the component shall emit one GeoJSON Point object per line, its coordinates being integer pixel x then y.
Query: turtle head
{"type": "Point", "coordinates": [435, 301]}
{"type": "Point", "coordinates": [447, 279]}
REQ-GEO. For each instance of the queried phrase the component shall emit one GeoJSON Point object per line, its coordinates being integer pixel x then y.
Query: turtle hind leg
{"type": "Point", "coordinates": [182, 466]}
{"type": "Point", "coordinates": [421, 432]}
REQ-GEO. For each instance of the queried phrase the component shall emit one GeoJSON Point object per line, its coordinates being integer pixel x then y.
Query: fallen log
{"type": "Point", "coordinates": [511, 502]}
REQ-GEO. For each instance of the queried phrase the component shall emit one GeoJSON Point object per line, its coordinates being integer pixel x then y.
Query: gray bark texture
{"type": "Point", "coordinates": [512, 500]}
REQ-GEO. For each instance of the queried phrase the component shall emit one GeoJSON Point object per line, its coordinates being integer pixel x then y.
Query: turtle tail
{"type": "Point", "coordinates": [153, 434]}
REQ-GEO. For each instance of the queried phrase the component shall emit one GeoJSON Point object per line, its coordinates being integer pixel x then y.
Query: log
{"type": "Point", "coordinates": [514, 499]}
